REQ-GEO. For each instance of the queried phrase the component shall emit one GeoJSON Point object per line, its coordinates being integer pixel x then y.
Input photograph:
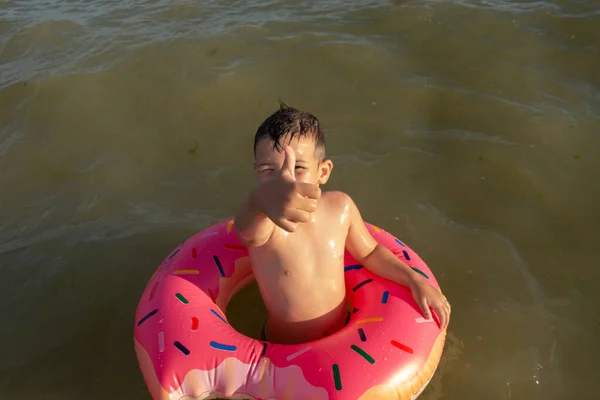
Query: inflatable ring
{"type": "Point", "coordinates": [187, 350]}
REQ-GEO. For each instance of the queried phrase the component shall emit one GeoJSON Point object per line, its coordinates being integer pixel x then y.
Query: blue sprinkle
{"type": "Point", "coordinates": [361, 333]}
{"type": "Point", "coordinates": [406, 255]}
{"type": "Point", "coordinates": [400, 243]}
{"type": "Point", "coordinates": [218, 316]}
{"type": "Point", "coordinates": [363, 283]}
{"type": "Point", "coordinates": [174, 254]}
{"type": "Point", "coordinates": [220, 346]}
{"type": "Point", "coordinates": [182, 348]}
{"type": "Point", "coordinates": [352, 267]}
{"type": "Point", "coordinates": [218, 263]}
{"type": "Point", "coordinates": [385, 296]}
{"type": "Point", "coordinates": [151, 313]}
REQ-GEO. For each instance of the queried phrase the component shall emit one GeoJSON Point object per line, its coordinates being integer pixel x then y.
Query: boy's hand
{"type": "Point", "coordinates": [427, 296]}
{"type": "Point", "coordinates": [284, 200]}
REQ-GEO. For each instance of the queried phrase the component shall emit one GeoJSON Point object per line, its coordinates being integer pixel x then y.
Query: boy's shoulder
{"type": "Point", "coordinates": [336, 199]}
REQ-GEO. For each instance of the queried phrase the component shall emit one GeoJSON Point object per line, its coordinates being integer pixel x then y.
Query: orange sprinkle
{"type": "Point", "coordinates": [229, 226]}
{"type": "Point", "coordinates": [364, 321]}
{"type": "Point", "coordinates": [186, 272]}
{"type": "Point", "coordinates": [376, 229]}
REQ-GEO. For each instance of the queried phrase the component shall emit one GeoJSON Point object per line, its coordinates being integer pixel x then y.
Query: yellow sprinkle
{"type": "Point", "coordinates": [186, 272]}
{"type": "Point", "coordinates": [376, 229]}
{"type": "Point", "coordinates": [229, 226]}
{"type": "Point", "coordinates": [364, 321]}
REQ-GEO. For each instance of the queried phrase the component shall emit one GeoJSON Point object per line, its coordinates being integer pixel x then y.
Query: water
{"type": "Point", "coordinates": [468, 128]}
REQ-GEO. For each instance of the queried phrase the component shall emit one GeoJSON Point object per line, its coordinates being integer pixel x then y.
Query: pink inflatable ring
{"type": "Point", "coordinates": [187, 350]}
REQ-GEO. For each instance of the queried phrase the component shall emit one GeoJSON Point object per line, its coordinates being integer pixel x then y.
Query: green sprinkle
{"type": "Point", "coordinates": [181, 298]}
{"type": "Point", "coordinates": [363, 354]}
{"type": "Point", "coordinates": [420, 272]}
{"type": "Point", "coordinates": [336, 377]}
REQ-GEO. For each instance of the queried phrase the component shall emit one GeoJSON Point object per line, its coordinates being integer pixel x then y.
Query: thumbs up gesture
{"type": "Point", "coordinates": [288, 168]}
{"type": "Point", "coordinates": [284, 200]}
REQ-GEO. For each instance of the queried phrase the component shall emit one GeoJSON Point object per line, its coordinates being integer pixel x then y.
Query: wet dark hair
{"type": "Point", "coordinates": [288, 120]}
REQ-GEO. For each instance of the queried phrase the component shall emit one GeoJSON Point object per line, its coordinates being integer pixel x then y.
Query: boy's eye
{"type": "Point", "coordinates": [300, 167]}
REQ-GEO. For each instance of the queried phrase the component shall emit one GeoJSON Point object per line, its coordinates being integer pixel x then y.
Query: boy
{"type": "Point", "coordinates": [296, 235]}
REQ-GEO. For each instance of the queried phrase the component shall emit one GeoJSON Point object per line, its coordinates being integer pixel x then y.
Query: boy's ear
{"type": "Point", "coordinates": [325, 171]}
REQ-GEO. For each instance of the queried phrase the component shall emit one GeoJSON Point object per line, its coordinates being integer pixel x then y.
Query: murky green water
{"type": "Point", "coordinates": [468, 128]}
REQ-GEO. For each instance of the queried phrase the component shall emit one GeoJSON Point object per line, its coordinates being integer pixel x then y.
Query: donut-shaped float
{"type": "Point", "coordinates": [187, 350]}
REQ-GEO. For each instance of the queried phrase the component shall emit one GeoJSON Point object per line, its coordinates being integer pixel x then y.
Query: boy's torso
{"type": "Point", "coordinates": [301, 275]}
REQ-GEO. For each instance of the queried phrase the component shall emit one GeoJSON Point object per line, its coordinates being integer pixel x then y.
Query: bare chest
{"type": "Point", "coordinates": [313, 249]}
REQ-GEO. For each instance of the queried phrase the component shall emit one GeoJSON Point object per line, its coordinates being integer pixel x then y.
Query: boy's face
{"type": "Point", "coordinates": [308, 168]}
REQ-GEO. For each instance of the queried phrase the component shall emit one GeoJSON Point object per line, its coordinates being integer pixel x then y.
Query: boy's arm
{"type": "Point", "coordinates": [382, 262]}
{"type": "Point", "coordinates": [253, 228]}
